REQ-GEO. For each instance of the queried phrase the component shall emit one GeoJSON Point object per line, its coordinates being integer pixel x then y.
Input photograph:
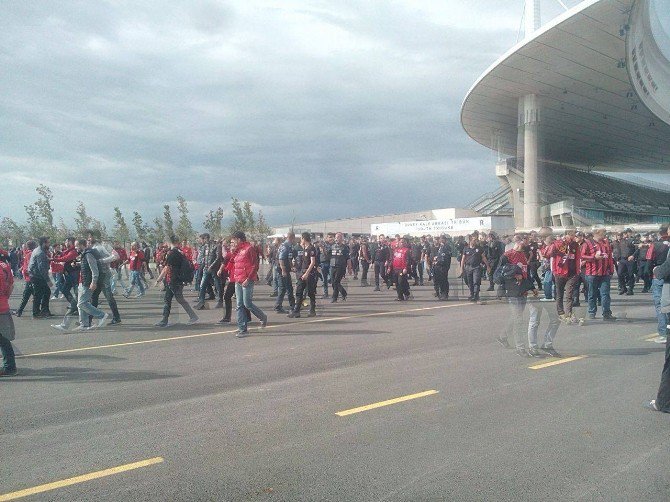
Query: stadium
{"type": "Point", "coordinates": [582, 96]}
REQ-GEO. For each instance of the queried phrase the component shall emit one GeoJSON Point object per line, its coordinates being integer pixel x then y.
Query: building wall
{"type": "Point", "coordinates": [362, 225]}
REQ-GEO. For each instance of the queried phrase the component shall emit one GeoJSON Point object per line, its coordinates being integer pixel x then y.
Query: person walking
{"type": "Point", "coordinates": [340, 263]}
{"type": "Point", "coordinates": [38, 270]}
{"type": "Point", "coordinates": [244, 273]}
{"type": "Point", "coordinates": [175, 276]}
{"type": "Point", "coordinates": [596, 253]}
{"type": "Point", "coordinates": [662, 273]}
{"type": "Point", "coordinates": [565, 261]}
{"type": "Point", "coordinates": [284, 263]}
{"type": "Point", "coordinates": [471, 267]}
{"type": "Point", "coordinates": [89, 281]}
{"type": "Point", "coordinates": [306, 277]}
{"type": "Point", "coordinates": [6, 321]}
{"type": "Point", "coordinates": [28, 289]}
{"type": "Point", "coordinates": [135, 262]}
{"type": "Point", "coordinates": [440, 268]}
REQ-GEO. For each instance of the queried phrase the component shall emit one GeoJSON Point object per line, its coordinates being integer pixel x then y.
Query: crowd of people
{"type": "Point", "coordinates": [558, 269]}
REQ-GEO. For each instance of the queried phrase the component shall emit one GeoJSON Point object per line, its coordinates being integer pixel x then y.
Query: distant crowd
{"type": "Point", "coordinates": [557, 268]}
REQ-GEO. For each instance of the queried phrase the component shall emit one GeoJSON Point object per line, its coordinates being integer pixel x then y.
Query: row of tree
{"type": "Point", "coordinates": [41, 221]}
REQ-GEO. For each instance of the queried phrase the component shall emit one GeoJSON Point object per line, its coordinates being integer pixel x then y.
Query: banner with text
{"type": "Point", "coordinates": [436, 227]}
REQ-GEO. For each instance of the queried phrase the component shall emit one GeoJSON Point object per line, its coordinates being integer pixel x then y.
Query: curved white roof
{"type": "Point", "coordinates": [591, 114]}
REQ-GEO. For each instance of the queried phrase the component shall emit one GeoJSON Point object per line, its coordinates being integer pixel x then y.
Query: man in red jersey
{"type": "Point", "coordinates": [596, 254]}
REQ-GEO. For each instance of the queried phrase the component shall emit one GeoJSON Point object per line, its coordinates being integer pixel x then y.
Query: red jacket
{"type": "Point", "coordinates": [401, 258]}
{"type": "Point", "coordinates": [6, 281]}
{"type": "Point", "coordinates": [244, 263]}
{"type": "Point", "coordinates": [24, 266]}
{"type": "Point", "coordinates": [56, 264]}
{"type": "Point", "coordinates": [564, 255]}
{"type": "Point", "coordinates": [599, 267]}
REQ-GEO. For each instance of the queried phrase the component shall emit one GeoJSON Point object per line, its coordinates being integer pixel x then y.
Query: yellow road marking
{"type": "Point", "coordinates": [200, 335]}
{"type": "Point", "coordinates": [651, 338]}
{"type": "Point", "coordinates": [79, 479]}
{"type": "Point", "coordinates": [385, 403]}
{"type": "Point", "coordinates": [555, 363]}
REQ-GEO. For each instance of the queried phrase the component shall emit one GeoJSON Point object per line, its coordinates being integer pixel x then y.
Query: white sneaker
{"type": "Point", "coordinates": [546, 299]}
{"type": "Point", "coordinates": [82, 328]}
{"type": "Point", "coordinates": [661, 339]}
{"type": "Point", "coordinates": [60, 327]}
{"type": "Point", "coordinates": [193, 321]}
{"type": "Point", "coordinates": [102, 321]}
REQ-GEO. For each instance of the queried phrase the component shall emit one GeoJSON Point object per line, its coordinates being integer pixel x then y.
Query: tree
{"type": "Point", "coordinates": [239, 220]}
{"type": "Point", "coordinates": [168, 223]}
{"type": "Point", "coordinates": [141, 230]}
{"type": "Point", "coordinates": [63, 230]}
{"type": "Point", "coordinates": [11, 233]}
{"type": "Point", "coordinates": [249, 219]}
{"type": "Point", "coordinates": [45, 210]}
{"type": "Point", "coordinates": [262, 228]}
{"type": "Point", "coordinates": [41, 214]}
{"type": "Point", "coordinates": [121, 231]}
{"type": "Point", "coordinates": [157, 234]}
{"type": "Point", "coordinates": [184, 227]}
{"type": "Point", "coordinates": [213, 221]}
{"type": "Point", "coordinates": [82, 221]}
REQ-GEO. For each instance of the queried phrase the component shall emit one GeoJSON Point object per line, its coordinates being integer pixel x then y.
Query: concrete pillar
{"type": "Point", "coordinates": [529, 118]}
{"type": "Point", "coordinates": [532, 19]}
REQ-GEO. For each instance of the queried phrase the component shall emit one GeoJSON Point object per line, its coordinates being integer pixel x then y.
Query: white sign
{"type": "Point", "coordinates": [433, 227]}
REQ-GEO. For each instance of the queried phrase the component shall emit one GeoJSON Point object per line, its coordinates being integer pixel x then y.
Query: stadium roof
{"type": "Point", "coordinates": [591, 114]}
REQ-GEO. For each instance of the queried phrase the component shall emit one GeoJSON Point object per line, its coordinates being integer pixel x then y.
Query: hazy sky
{"type": "Point", "coordinates": [309, 109]}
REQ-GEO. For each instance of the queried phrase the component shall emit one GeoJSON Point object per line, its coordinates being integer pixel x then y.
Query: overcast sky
{"type": "Point", "coordinates": [309, 109]}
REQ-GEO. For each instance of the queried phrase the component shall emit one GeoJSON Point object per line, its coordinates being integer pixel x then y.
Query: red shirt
{"type": "Point", "coordinates": [599, 267]}
{"type": "Point", "coordinates": [401, 258]}
{"type": "Point", "coordinates": [123, 256]}
{"type": "Point", "coordinates": [566, 258]}
{"type": "Point", "coordinates": [6, 281]}
{"type": "Point", "coordinates": [518, 258]}
{"type": "Point", "coordinates": [26, 260]}
{"type": "Point", "coordinates": [56, 265]}
{"type": "Point", "coordinates": [136, 259]}
{"type": "Point", "coordinates": [188, 252]}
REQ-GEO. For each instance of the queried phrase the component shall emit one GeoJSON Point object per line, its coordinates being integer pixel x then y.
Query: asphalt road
{"type": "Point", "coordinates": [220, 418]}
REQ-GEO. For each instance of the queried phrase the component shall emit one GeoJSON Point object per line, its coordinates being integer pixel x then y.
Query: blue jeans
{"type": "Point", "coordinates": [534, 324]}
{"type": "Point", "coordinates": [207, 278]}
{"type": "Point", "coordinates": [59, 281]}
{"type": "Point", "coordinates": [276, 274]}
{"type": "Point", "coordinates": [656, 290]}
{"type": "Point", "coordinates": [136, 280]}
{"type": "Point", "coordinates": [285, 288]}
{"type": "Point", "coordinates": [8, 360]}
{"type": "Point", "coordinates": [85, 307]}
{"type": "Point", "coordinates": [244, 296]}
{"type": "Point", "coordinates": [548, 285]}
{"type": "Point", "coordinates": [599, 285]}
{"type": "Point", "coordinates": [117, 278]}
{"type": "Point", "coordinates": [517, 305]}
{"type": "Point", "coordinates": [325, 272]}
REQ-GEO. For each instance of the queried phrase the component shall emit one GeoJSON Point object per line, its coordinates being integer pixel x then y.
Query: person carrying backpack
{"type": "Point", "coordinates": [177, 272]}
{"type": "Point", "coordinates": [513, 274]}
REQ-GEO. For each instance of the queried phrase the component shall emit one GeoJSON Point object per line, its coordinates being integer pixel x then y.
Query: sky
{"type": "Point", "coordinates": [308, 109]}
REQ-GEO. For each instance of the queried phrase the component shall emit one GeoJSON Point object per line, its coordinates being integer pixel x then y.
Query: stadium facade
{"type": "Point", "coordinates": [588, 92]}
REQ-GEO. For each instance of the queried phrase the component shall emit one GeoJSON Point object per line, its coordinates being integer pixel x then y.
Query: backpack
{"type": "Point", "coordinates": [505, 272]}
{"type": "Point", "coordinates": [186, 270]}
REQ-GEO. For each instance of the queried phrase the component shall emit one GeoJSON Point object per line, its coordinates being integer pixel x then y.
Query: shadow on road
{"type": "Point", "coordinates": [78, 374]}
